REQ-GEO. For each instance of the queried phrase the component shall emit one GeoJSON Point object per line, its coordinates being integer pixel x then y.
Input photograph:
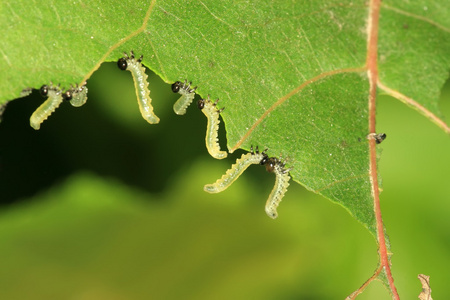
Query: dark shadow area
{"type": "Point", "coordinates": [87, 138]}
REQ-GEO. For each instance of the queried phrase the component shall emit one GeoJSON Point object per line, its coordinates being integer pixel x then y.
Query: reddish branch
{"type": "Point", "coordinates": [362, 288]}
{"type": "Point", "coordinates": [372, 71]}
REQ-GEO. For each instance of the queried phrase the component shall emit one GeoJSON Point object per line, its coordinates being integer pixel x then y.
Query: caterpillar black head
{"type": "Point", "coordinates": [176, 86]}
{"type": "Point", "coordinates": [122, 63]}
{"type": "Point", "coordinates": [44, 90]}
{"type": "Point", "coordinates": [67, 95]}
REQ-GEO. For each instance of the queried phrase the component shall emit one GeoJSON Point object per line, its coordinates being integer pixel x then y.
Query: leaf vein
{"type": "Point", "coordinates": [421, 18]}
{"type": "Point", "coordinates": [289, 95]}
{"type": "Point", "coordinates": [414, 104]}
{"type": "Point", "coordinates": [122, 41]}
{"type": "Point", "coordinates": [340, 181]}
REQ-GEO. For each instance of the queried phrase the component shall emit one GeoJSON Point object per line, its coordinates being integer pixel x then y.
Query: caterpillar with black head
{"type": "Point", "coordinates": [212, 129]}
{"type": "Point", "coordinates": [76, 95]}
{"type": "Point", "coordinates": [272, 164]}
{"type": "Point", "coordinates": [187, 95]}
{"type": "Point", "coordinates": [41, 114]}
{"type": "Point", "coordinates": [251, 158]}
{"type": "Point", "coordinates": [130, 63]}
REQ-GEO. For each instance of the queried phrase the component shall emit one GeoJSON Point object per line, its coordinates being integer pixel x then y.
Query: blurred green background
{"type": "Point", "coordinates": [98, 204]}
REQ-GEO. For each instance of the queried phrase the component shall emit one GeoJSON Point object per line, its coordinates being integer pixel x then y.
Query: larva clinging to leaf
{"type": "Point", "coordinates": [78, 96]}
{"type": "Point", "coordinates": [251, 158]}
{"type": "Point", "coordinates": [134, 65]}
{"type": "Point", "coordinates": [187, 95]}
{"type": "Point", "coordinates": [212, 130]}
{"type": "Point", "coordinates": [273, 165]}
{"type": "Point", "coordinates": [41, 114]}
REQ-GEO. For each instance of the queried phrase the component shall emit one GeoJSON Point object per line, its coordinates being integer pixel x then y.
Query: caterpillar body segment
{"type": "Point", "coordinates": [251, 158]}
{"type": "Point", "coordinates": [54, 99]}
{"type": "Point", "coordinates": [272, 164]}
{"type": "Point", "coordinates": [187, 96]}
{"type": "Point", "coordinates": [211, 112]}
{"type": "Point", "coordinates": [130, 63]}
{"type": "Point", "coordinates": [281, 184]}
{"type": "Point", "coordinates": [79, 96]}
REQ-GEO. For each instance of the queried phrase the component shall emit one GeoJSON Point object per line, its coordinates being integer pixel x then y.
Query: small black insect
{"type": "Point", "coordinates": [377, 137]}
{"type": "Point", "coordinates": [380, 137]}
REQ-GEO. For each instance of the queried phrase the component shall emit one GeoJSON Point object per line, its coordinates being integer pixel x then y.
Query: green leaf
{"type": "Point", "coordinates": [291, 75]}
{"type": "Point", "coordinates": [414, 46]}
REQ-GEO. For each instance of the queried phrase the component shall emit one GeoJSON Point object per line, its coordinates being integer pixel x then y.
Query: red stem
{"type": "Point", "coordinates": [372, 71]}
